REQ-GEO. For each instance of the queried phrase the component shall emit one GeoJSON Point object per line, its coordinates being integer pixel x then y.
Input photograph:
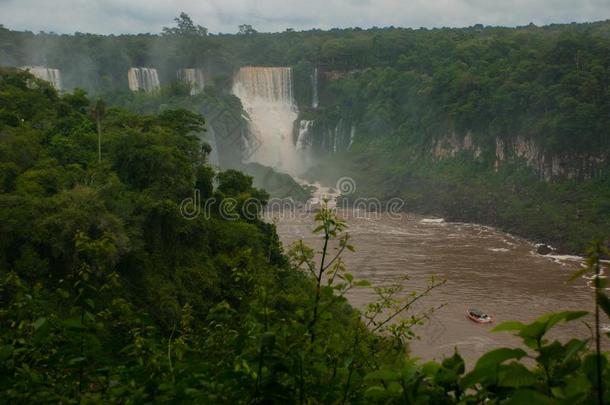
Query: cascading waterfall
{"type": "Point", "coordinates": [210, 137]}
{"type": "Point", "coordinates": [194, 78]}
{"type": "Point", "coordinates": [305, 143]}
{"type": "Point", "coordinates": [303, 140]}
{"type": "Point", "coordinates": [334, 136]}
{"type": "Point", "coordinates": [314, 90]}
{"type": "Point", "coordinates": [337, 138]}
{"type": "Point", "coordinates": [352, 136]}
{"type": "Point", "coordinates": [267, 96]}
{"type": "Point", "coordinates": [52, 76]}
{"type": "Point", "coordinates": [141, 78]}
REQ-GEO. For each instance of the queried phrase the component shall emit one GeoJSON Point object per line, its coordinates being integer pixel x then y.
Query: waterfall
{"type": "Point", "coordinates": [141, 78]}
{"type": "Point", "coordinates": [194, 78]}
{"type": "Point", "coordinates": [267, 96]}
{"type": "Point", "coordinates": [210, 137]}
{"type": "Point", "coordinates": [352, 135]}
{"type": "Point", "coordinates": [336, 136]}
{"type": "Point", "coordinates": [52, 76]}
{"type": "Point", "coordinates": [303, 140]}
{"type": "Point", "coordinates": [314, 91]}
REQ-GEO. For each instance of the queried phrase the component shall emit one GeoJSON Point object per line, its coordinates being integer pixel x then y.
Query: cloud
{"type": "Point", "coordinates": [135, 16]}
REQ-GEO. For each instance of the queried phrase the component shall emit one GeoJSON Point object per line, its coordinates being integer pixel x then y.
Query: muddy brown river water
{"type": "Point", "coordinates": [484, 268]}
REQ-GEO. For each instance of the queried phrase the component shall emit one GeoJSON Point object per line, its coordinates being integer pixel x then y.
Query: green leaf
{"type": "Point", "coordinates": [362, 283]}
{"type": "Point", "coordinates": [488, 366]}
{"type": "Point", "coordinates": [42, 328]}
{"type": "Point", "coordinates": [409, 370]}
{"type": "Point", "coordinates": [430, 368]}
{"type": "Point", "coordinates": [507, 326]}
{"type": "Point", "coordinates": [384, 374]}
{"type": "Point", "coordinates": [533, 332]}
{"type": "Point", "coordinates": [577, 385]}
{"type": "Point", "coordinates": [589, 366]}
{"type": "Point", "coordinates": [573, 347]}
{"type": "Point", "coordinates": [454, 363]}
{"type": "Point", "coordinates": [604, 302]}
{"type": "Point", "coordinates": [516, 375]}
{"type": "Point", "coordinates": [5, 352]}
{"type": "Point", "coordinates": [73, 323]}
{"type": "Point", "coordinates": [525, 396]}
{"type": "Point", "coordinates": [375, 392]}
{"type": "Point", "coordinates": [90, 303]}
{"type": "Point", "coordinates": [63, 293]}
{"type": "Point", "coordinates": [498, 356]}
{"type": "Point", "coordinates": [39, 323]}
{"type": "Point", "coordinates": [268, 339]}
{"type": "Point", "coordinates": [77, 360]}
{"type": "Point", "coordinates": [565, 316]}
{"type": "Point", "coordinates": [474, 377]}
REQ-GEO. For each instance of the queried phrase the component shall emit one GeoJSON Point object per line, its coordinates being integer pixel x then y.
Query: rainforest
{"type": "Point", "coordinates": [142, 259]}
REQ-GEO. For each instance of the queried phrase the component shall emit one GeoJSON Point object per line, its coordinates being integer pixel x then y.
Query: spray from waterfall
{"type": "Point", "coordinates": [145, 79]}
{"type": "Point", "coordinates": [267, 96]}
{"type": "Point", "coordinates": [194, 78]}
{"type": "Point", "coordinates": [52, 76]}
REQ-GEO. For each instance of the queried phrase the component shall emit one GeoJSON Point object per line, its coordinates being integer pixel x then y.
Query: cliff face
{"type": "Point", "coordinates": [548, 166]}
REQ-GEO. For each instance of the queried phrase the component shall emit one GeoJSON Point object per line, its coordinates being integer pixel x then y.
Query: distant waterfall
{"type": "Point", "coordinates": [141, 78]}
{"type": "Point", "coordinates": [352, 136]}
{"type": "Point", "coordinates": [337, 138]}
{"type": "Point", "coordinates": [194, 78]}
{"type": "Point", "coordinates": [267, 96]}
{"type": "Point", "coordinates": [303, 140]}
{"type": "Point", "coordinates": [52, 76]}
{"type": "Point", "coordinates": [314, 90]}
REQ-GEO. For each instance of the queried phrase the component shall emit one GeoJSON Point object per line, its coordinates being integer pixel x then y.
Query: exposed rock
{"type": "Point", "coordinates": [451, 145]}
{"type": "Point", "coordinates": [543, 249]}
{"type": "Point", "coordinates": [546, 165]}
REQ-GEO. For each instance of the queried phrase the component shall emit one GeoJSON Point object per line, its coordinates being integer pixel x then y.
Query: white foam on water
{"type": "Point", "coordinates": [432, 221]}
{"type": "Point", "coordinates": [504, 250]}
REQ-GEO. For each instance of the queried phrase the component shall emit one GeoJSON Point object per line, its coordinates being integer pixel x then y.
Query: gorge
{"type": "Point", "coordinates": [305, 216]}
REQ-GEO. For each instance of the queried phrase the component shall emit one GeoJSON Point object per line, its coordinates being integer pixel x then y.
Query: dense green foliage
{"type": "Point", "coordinates": [226, 129]}
{"type": "Point", "coordinates": [549, 84]}
{"type": "Point", "coordinates": [108, 294]}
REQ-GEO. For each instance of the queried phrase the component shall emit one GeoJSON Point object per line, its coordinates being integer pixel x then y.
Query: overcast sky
{"type": "Point", "coordinates": [134, 16]}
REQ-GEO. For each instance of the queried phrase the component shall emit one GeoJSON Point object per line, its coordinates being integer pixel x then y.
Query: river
{"type": "Point", "coordinates": [484, 268]}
